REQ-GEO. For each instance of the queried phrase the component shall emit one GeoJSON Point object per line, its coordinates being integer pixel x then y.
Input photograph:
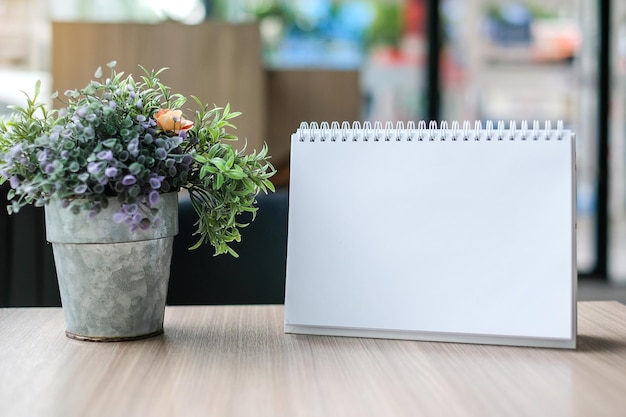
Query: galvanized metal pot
{"type": "Point", "coordinates": [113, 282]}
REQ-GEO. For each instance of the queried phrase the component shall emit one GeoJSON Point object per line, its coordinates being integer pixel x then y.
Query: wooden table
{"type": "Point", "coordinates": [236, 361]}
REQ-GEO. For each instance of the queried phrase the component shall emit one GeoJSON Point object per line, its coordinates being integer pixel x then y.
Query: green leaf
{"type": "Point", "coordinates": [219, 163]}
{"type": "Point", "coordinates": [219, 181]}
{"type": "Point", "coordinates": [98, 73]}
{"type": "Point", "coordinates": [232, 252]}
{"type": "Point", "coordinates": [269, 185]}
{"type": "Point", "coordinates": [231, 159]}
{"type": "Point", "coordinates": [197, 244]}
{"type": "Point", "coordinates": [109, 143]}
{"type": "Point", "coordinates": [89, 90]}
{"type": "Point", "coordinates": [213, 151]}
{"type": "Point", "coordinates": [206, 170]}
{"type": "Point", "coordinates": [72, 93]}
{"type": "Point", "coordinates": [236, 174]}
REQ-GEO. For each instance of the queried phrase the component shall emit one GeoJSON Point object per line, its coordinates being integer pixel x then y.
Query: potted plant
{"type": "Point", "coordinates": [108, 167]}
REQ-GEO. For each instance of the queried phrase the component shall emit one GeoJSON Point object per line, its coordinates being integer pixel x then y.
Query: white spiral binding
{"type": "Point", "coordinates": [344, 132]}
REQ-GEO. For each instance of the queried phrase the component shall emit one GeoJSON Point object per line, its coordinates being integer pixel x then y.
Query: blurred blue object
{"type": "Point", "coordinates": [303, 52]}
{"type": "Point", "coordinates": [510, 24]}
{"type": "Point", "coordinates": [352, 20]}
{"type": "Point", "coordinates": [515, 14]}
{"type": "Point", "coordinates": [324, 35]}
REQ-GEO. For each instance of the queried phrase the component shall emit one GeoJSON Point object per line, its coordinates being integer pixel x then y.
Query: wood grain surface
{"type": "Point", "coordinates": [236, 361]}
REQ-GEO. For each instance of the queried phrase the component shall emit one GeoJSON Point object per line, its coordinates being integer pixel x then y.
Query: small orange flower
{"type": "Point", "coordinates": [172, 121]}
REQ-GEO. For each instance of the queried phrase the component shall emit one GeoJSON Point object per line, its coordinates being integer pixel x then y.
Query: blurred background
{"type": "Point", "coordinates": [282, 62]}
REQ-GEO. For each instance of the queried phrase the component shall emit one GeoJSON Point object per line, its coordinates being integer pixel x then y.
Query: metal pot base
{"type": "Point", "coordinates": [111, 339]}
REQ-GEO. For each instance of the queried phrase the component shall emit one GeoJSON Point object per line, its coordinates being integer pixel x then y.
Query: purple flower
{"type": "Point", "coordinates": [133, 146]}
{"type": "Point", "coordinates": [42, 155]}
{"type": "Point", "coordinates": [129, 180]}
{"type": "Point", "coordinates": [49, 169]}
{"type": "Point", "coordinates": [130, 208]}
{"type": "Point", "coordinates": [155, 183]}
{"type": "Point", "coordinates": [110, 172]}
{"type": "Point", "coordinates": [113, 105]}
{"type": "Point", "coordinates": [106, 155]}
{"type": "Point", "coordinates": [15, 152]}
{"type": "Point", "coordinates": [80, 189]}
{"type": "Point", "coordinates": [14, 181]}
{"type": "Point", "coordinates": [139, 104]}
{"type": "Point", "coordinates": [153, 198]}
{"type": "Point", "coordinates": [95, 167]}
{"type": "Point", "coordinates": [82, 112]}
{"type": "Point", "coordinates": [160, 154]}
{"type": "Point", "coordinates": [119, 217]}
